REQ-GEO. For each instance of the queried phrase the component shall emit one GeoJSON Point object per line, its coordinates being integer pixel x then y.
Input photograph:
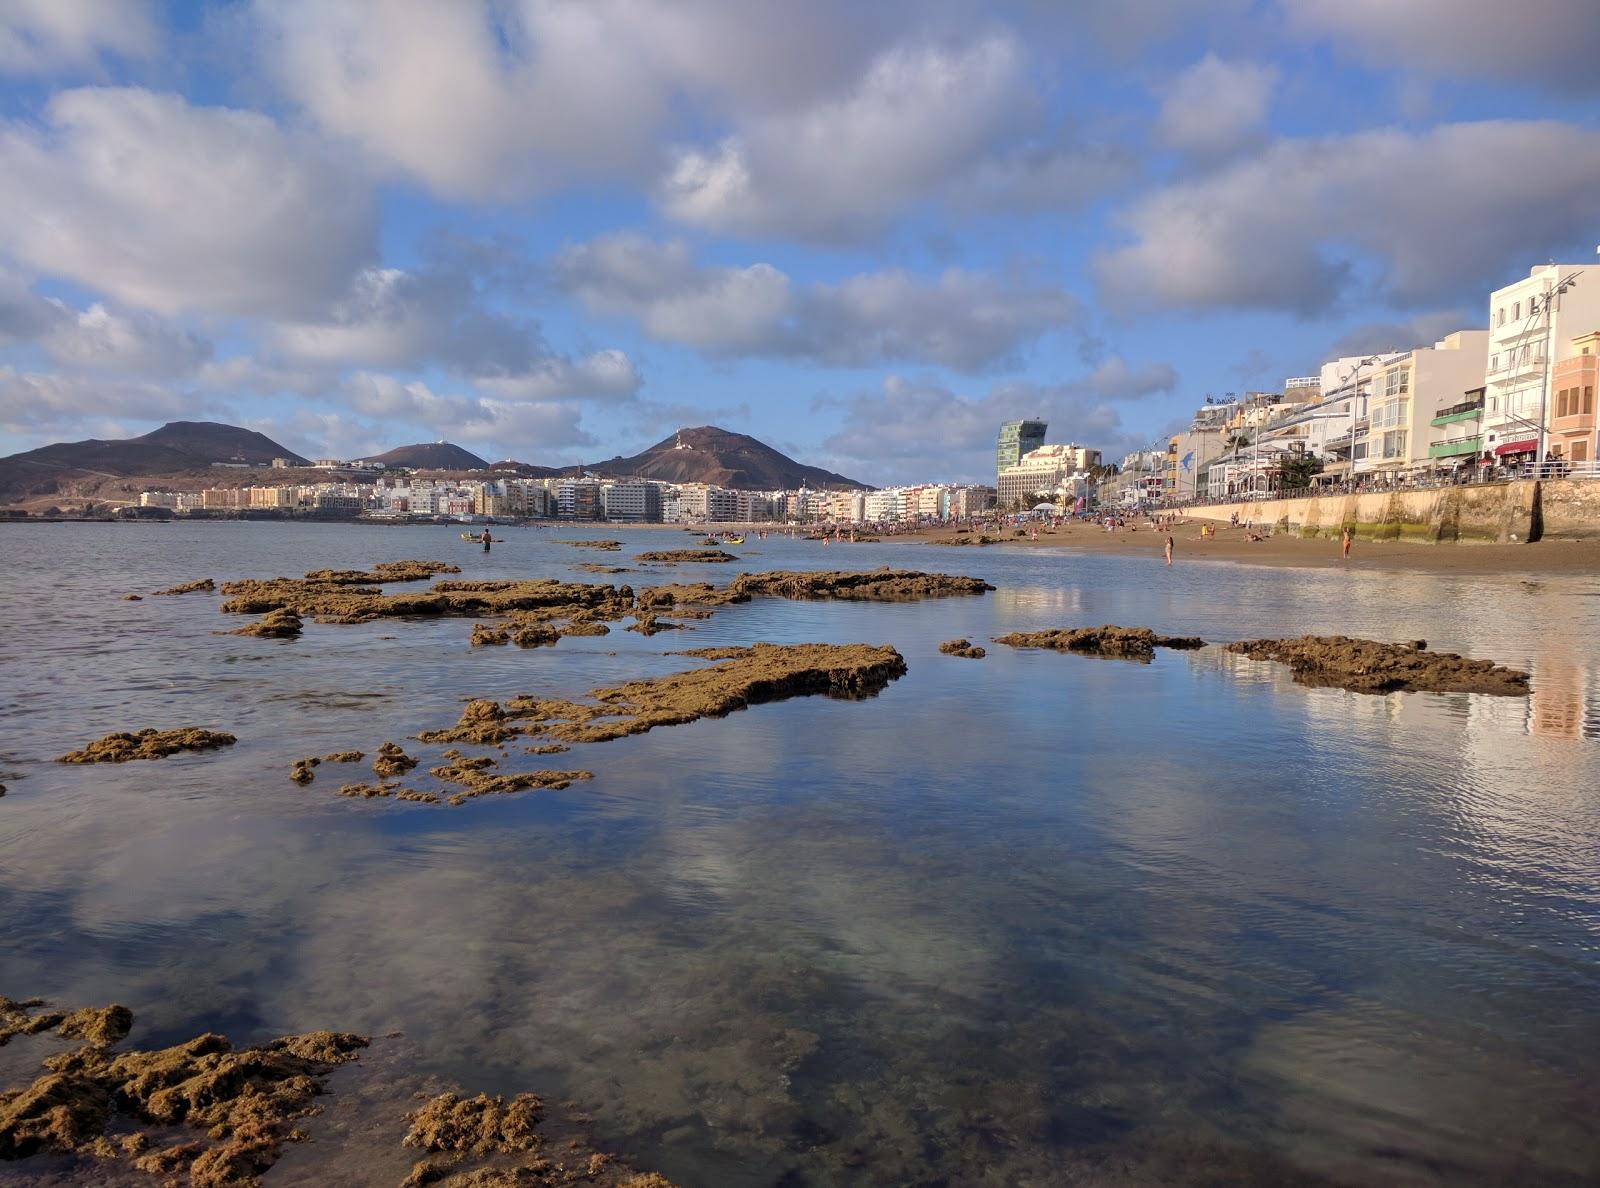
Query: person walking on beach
{"type": "Point", "coordinates": [1169, 548]}
{"type": "Point", "coordinates": [1344, 542]}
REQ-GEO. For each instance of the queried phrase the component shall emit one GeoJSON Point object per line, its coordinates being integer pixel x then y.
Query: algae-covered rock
{"type": "Point", "coordinates": [1125, 643]}
{"type": "Point", "coordinates": [199, 586]}
{"type": "Point", "coordinates": [962, 647]}
{"type": "Point", "coordinates": [391, 761]}
{"type": "Point", "coordinates": [282, 623]}
{"type": "Point", "coordinates": [303, 770]}
{"type": "Point", "coordinates": [485, 636]}
{"type": "Point", "coordinates": [477, 1125]}
{"type": "Point", "coordinates": [148, 744]}
{"type": "Point", "coordinates": [344, 757]}
{"type": "Point", "coordinates": [609, 546]}
{"type": "Point", "coordinates": [482, 721]}
{"type": "Point", "coordinates": [1371, 666]}
{"type": "Point", "coordinates": [879, 585]}
{"type": "Point", "coordinates": [673, 556]}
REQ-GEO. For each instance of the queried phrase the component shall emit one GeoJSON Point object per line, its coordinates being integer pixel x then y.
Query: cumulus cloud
{"type": "Point", "coordinates": [137, 343]}
{"type": "Point", "coordinates": [919, 117]}
{"type": "Point", "coordinates": [42, 36]}
{"type": "Point", "coordinates": [1215, 107]}
{"type": "Point", "coordinates": [397, 319]}
{"type": "Point", "coordinates": [1546, 43]}
{"type": "Point", "coordinates": [33, 403]}
{"type": "Point", "coordinates": [506, 425]}
{"type": "Point", "coordinates": [167, 206]}
{"type": "Point", "coordinates": [907, 430]}
{"type": "Point", "coordinates": [961, 319]}
{"type": "Point", "coordinates": [1422, 330]}
{"type": "Point", "coordinates": [1288, 228]}
{"type": "Point", "coordinates": [485, 99]}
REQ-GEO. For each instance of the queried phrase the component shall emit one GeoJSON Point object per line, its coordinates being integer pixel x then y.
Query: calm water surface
{"type": "Point", "coordinates": [1035, 919]}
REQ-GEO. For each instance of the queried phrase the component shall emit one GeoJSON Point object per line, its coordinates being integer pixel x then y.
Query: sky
{"type": "Point", "coordinates": [556, 230]}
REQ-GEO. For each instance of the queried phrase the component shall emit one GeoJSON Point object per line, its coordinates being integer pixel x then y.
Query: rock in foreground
{"type": "Point", "coordinates": [1371, 666]}
{"type": "Point", "coordinates": [1127, 643]}
{"type": "Point", "coordinates": [149, 743]}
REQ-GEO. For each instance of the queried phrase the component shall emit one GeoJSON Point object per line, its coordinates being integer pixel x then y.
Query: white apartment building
{"type": "Point", "coordinates": [1040, 471]}
{"type": "Point", "coordinates": [1532, 326]}
{"type": "Point", "coordinates": [1409, 390]}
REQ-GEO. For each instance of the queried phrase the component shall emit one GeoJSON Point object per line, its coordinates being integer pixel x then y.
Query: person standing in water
{"type": "Point", "coordinates": [486, 538]}
{"type": "Point", "coordinates": [1169, 548]}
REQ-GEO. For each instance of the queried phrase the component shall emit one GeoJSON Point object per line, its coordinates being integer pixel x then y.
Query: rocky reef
{"type": "Point", "coordinates": [673, 556]}
{"type": "Point", "coordinates": [282, 623]}
{"type": "Point", "coordinates": [149, 743]}
{"type": "Point", "coordinates": [878, 585]}
{"type": "Point", "coordinates": [962, 647]}
{"type": "Point", "coordinates": [199, 586]}
{"type": "Point", "coordinates": [1371, 666]}
{"type": "Point", "coordinates": [1125, 643]}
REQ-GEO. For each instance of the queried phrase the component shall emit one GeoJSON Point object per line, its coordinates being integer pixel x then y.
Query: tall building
{"type": "Point", "coordinates": [1534, 325]}
{"type": "Point", "coordinates": [1016, 439]}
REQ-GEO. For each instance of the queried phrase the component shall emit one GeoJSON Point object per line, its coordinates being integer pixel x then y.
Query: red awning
{"type": "Point", "coordinates": [1517, 447]}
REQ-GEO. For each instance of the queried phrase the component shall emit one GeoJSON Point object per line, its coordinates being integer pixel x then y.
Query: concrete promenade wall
{"type": "Point", "coordinates": [1525, 510]}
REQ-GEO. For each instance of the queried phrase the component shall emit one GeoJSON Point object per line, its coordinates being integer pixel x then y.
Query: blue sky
{"type": "Point", "coordinates": [556, 230]}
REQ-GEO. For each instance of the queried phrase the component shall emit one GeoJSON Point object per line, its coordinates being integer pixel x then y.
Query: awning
{"type": "Point", "coordinates": [1516, 447]}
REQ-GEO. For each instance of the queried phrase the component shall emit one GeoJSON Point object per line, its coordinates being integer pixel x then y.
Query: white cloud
{"type": "Point", "coordinates": [1293, 226]}
{"type": "Point", "coordinates": [172, 207]}
{"type": "Point", "coordinates": [961, 319]}
{"type": "Point", "coordinates": [1421, 330]}
{"type": "Point", "coordinates": [908, 431]}
{"type": "Point", "coordinates": [919, 118]}
{"type": "Point", "coordinates": [97, 339]}
{"type": "Point", "coordinates": [500, 98]}
{"type": "Point", "coordinates": [1215, 107]}
{"type": "Point", "coordinates": [603, 375]}
{"type": "Point", "coordinates": [33, 401]}
{"type": "Point", "coordinates": [503, 424]}
{"type": "Point", "coordinates": [1547, 43]}
{"type": "Point", "coordinates": [41, 36]}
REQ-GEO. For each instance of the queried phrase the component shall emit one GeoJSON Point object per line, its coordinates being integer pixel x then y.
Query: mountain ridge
{"type": "Point", "coordinates": [709, 454]}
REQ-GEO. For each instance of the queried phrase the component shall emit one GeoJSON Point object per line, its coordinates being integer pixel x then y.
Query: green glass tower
{"type": "Point", "coordinates": [1016, 439]}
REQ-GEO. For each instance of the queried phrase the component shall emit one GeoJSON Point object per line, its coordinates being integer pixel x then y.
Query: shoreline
{"type": "Point", "coordinates": [1287, 551]}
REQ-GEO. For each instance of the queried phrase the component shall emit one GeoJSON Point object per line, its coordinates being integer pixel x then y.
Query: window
{"type": "Point", "coordinates": [1494, 362]}
{"type": "Point", "coordinates": [1516, 310]}
{"type": "Point", "coordinates": [1588, 398]}
{"type": "Point", "coordinates": [1500, 317]}
{"type": "Point", "coordinates": [1580, 451]}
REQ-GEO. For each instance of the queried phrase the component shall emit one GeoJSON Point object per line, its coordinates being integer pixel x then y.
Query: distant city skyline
{"type": "Point", "coordinates": [864, 234]}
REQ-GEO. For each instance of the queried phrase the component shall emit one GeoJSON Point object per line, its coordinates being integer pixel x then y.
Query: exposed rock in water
{"type": "Point", "coordinates": [478, 1125]}
{"type": "Point", "coordinates": [391, 761]}
{"type": "Point", "coordinates": [745, 677]}
{"type": "Point", "coordinates": [609, 546]}
{"type": "Point", "coordinates": [672, 556]}
{"type": "Point", "coordinates": [879, 585]}
{"type": "Point", "coordinates": [199, 586]}
{"type": "Point", "coordinates": [534, 635]}
{"type": "Point", "coordinates": [482, 721]}
{"type": "Point", "coordinates": [98, 1026]}
{"type": "Point", "coordinates": [334, 603]}
{"type": "Point", "coordinates": [1126, 643]}
{"type": "Point", "coordinates": [486, 636]}
{"type": "Point", "coordinates": [1371, 666]}
{"type": "Point", "coordinates": [585, 627]}
{"type": "Point", "coordinates": [648, 623]}
{"type": "Point", "coordinates": [302, 772]}
{"type": "Point", "coordinates": [388, 571]}
{"type": "Point", "coordinates": [979, 539]}
{"type": "Point", "coordinates": [962, 647]}
{"type": "Point", "coordinates": [596, 567]}
{"type": "Point", "coordinates": [149, 743]}
{"type": "Point", "coordinates": [132, 598]}
{"type": "Point", "coordinates": [344, 757]}
{"type": "Point", "coordinates": [244, 1102]}
{"type": "Point", "coordinates": [282, 623]}
{"type": "Point", "coordinates": [676, 595]}
{"type": "Point", "coordinates": [473, 779]}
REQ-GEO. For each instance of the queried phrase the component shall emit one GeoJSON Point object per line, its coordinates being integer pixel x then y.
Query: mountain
{"type": "Point", "coordinates": [176, 446]}
{"type": "Point", "coordinates": [712, 455]}
{"type": "Point", "coordinates": [430, 455]}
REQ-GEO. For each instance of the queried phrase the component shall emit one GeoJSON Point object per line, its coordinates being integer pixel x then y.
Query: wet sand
{"type": "Point", "coordinates": [1288, 550]}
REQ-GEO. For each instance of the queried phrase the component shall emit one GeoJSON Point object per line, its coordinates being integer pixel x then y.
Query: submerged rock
{"type": "Point", "coordinates": [962, 647]}
{"type": "Point", "coordinates": [649, 623]}
{"type": "Point", "coordinates": [199, 586]}
{"type": "Point", "coordinates": [879, 585]}
{"type": "Point", "coordinates": [336, 603]}
{"type": "Point", "coordinates": [132, 598]}
{"type": "Point", "coordinates": [1127, 643]}
{"type": "Point", "coordinates": [1371, 666]}
{"type": "Point", "coordinates": [302, 772]}
{"type": "Point", "coordinates": [672, 556]}
{"type": "Point", "coordinates": [149, 743]}
{"type": "Point", "coordinates": [596, 567]}
{"type": "Point", "coordinates": [609, 546]}
{"type": "Point", "coordinates": [485, 636]}
{"type": "Point", "coordinates": [344, 757]}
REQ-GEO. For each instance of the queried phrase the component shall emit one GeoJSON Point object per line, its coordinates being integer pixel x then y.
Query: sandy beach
{"type": "Point", "coordinates": [1285, 549]}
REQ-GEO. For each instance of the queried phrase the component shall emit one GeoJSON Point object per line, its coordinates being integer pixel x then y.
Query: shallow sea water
{"type": "Point", "coordinates": [1034, 919]}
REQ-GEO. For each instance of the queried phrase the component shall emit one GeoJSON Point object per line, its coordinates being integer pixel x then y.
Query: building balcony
{"type": "Point", "coordinates": [1467, 410]}
{"type": "Point", "coordinates": [1456, 447]}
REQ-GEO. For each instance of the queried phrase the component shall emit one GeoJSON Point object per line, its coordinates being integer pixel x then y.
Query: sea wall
{"type": "Point", "coordinates": [1556, 509]}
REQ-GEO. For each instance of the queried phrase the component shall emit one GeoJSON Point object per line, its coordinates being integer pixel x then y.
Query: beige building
{"type": "Point", "coordinates": [1407, 391]}
{"type": "Point", "coordinates": [1572, 412]}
